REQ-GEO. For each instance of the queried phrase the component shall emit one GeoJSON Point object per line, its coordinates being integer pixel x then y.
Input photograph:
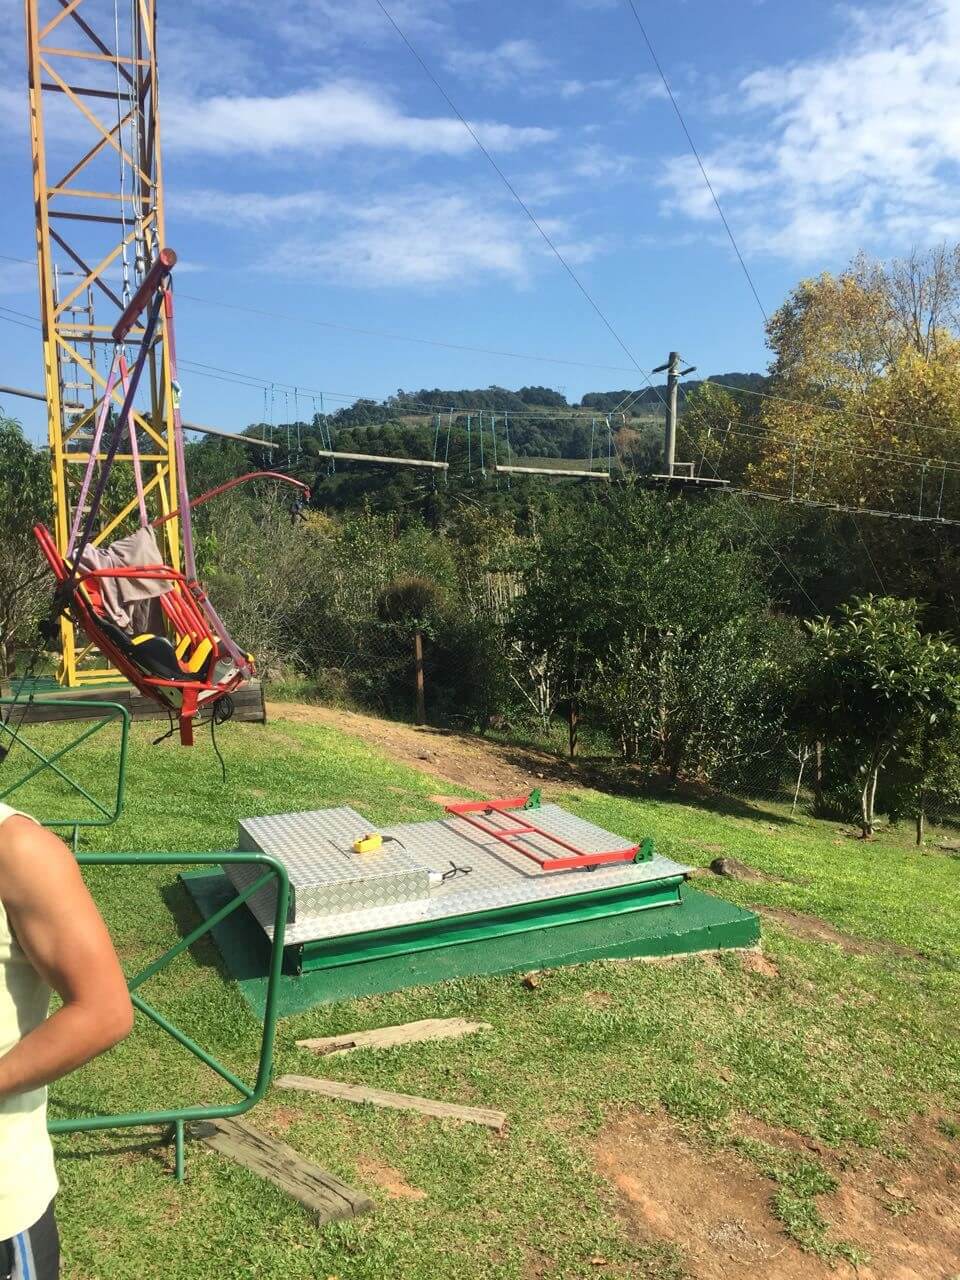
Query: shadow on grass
{"type": "Point", "coordinates": [619, 780]}
{"type": "Point", "coordinates": [250, 947]}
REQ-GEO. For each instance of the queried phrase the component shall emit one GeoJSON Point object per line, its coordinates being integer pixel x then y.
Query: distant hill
{"type": "Point", "coordinates": [496, 399]}
{"type": "Point", "coordinates": [608, 401]}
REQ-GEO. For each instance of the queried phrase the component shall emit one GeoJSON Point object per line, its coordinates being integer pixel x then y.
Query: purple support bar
{"type": "Point", "coordinates": [166, 260]}
{"type": "Point", "coordinates": [92, 459]}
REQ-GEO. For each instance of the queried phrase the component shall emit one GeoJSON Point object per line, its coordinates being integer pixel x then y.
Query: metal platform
{"type": "Point", "coordinates": [394, 898]}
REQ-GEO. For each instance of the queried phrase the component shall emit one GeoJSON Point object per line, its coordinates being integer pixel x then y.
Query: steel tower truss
{"type": "Point", "coordinates": [98, 192]}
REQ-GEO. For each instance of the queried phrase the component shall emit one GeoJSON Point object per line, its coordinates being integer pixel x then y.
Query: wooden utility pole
{"type": "Point", "coordinates": [674, 374]}
{"type": "Point", "coordinates": [418, 665]}
{"type": "Point", "coordinates": [670, 431]}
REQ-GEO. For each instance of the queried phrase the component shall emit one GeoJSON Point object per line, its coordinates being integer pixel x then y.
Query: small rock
{"type": "Point", "coordinates": [733, 869]}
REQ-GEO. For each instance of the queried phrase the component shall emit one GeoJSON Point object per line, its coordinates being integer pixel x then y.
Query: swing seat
{"type": "Point", "coordinates": [184, 675]}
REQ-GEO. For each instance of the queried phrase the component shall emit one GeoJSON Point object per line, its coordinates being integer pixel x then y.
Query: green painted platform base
{"type": "Point", "coordinates": [699, 923]}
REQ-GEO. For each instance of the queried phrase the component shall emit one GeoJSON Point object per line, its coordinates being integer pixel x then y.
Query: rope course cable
{"type": "Point", "coordinates": [696, 155]}
{"type": "Point", "coordinates": [873, 563]}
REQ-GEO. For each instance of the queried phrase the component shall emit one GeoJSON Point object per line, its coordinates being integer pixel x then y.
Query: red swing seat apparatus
{"type": "Point", "coordinates": [197, 663]}
{"type": "Point", "coordinates": [191, 684]}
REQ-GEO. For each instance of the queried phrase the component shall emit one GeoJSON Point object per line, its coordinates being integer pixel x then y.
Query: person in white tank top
{"type": "Point", "coordinates": [51, 938]}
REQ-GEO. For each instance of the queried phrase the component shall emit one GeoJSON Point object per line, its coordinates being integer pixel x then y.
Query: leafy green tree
{"type": "Point", "coordinates": [877, 685]}
{"type": "Point", "coordinates": [24, 501]}
{"type": "Point", "coordinates": [558, 628]}
{"type": "Point", "coordinates": [410, 606]}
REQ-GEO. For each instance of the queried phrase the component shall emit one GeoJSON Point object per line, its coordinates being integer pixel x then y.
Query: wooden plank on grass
{"type": "Point", "coordinates": [397, 1101]}
{"type": "Point", "coordinates": [389, 1037]}
{"type": "Point", "coordinates": [320, 1192]}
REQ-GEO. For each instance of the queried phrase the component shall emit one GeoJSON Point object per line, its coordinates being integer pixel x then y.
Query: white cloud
{"type": "Point", "coordinates": [859, 148]}
{"type": "Point", "coordinates": [599, 162]}
{"type": "Point", "coordinates": [575, 88]}
{"type": "Point", "coordinates": [18, 277]}
{"type": "Point", "coordinates": [511, 60]}
{"type": "Point", "coordinates": [640, 90]}
{"type": "Point", "coordinates": [329, 24]}
{"type": "Point", "coordinates": [331, 117]}
{"type": "Point", "coordinates": [253, 208]}
{"type": "Point", "coordinates": [423, 237]}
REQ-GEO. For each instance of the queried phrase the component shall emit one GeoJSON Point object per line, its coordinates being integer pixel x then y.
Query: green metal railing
{"type": "Point", "coordinates": [250, 1095]}
{"type": "Point", "coordinates": [12, 735]}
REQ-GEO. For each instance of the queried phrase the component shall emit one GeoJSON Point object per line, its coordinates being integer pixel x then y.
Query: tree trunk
{"type": "Point", "coordinates": [573, 725]}
{"type": "Point", "coordinates": [818, 782]}
{"type": "Point", "coordinates": [868, 797]}
{"type": "Point", "coordinates": [804, 757]}
{"type": "Point", "coordinates": [418, 665]}
{"type": "Point", "coordinates": [921, 815]}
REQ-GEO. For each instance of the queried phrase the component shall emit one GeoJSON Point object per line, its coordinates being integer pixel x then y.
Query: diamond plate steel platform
{"type": "Point", "coordinates": [338, 893]}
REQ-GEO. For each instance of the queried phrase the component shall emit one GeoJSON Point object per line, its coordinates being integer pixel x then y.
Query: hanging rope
{"type": "Point", "coordinates": [506, 430]}
{"type": "Point", "coordinates": [446, 452]}
{"type": "Point", "coordinates": [609, 447]}
{"type": "Point", "coordinates": [469, 446]}
{"type": "Point", "coordinates": [593, 432]}
{"type": "Point", "coordinates": [296, 414]}
{"type": "Point", "coordinates": [483, 470]}
{"type": "Point", "coordinates": [493, 445]}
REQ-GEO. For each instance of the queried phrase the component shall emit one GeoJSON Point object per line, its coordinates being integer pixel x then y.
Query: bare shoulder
{"type": "Point", "coordinates": [32, 857]}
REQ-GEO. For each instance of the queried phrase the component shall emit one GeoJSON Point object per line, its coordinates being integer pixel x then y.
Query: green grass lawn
{"type": "Point", "coordinates": [840, 1047]}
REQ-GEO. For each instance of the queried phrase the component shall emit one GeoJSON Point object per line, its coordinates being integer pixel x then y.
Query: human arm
{"type": "Point", "coordinates": [62, 934]}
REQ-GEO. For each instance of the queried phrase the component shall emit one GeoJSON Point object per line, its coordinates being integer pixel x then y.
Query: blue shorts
{"type": "Point", "coordinates": [33, 1254]}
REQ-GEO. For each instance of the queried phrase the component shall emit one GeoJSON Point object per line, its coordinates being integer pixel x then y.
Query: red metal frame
{"type": "Point", "coordinates": [185, 612]}
{"type": "Point", "coordinates": [513, 836]}
{"type": "Point", "coordinates": [232, 484]}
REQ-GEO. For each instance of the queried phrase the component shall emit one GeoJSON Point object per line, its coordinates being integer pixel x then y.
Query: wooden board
{"type": "Point", "coordinates": [389, 1037]}
{"type": "Point", "coordinates": [396, 1101]}
{"type": "Point", "coordinates": [247, 701]}
{"type": "Point", "coordinates": [324, 1195]}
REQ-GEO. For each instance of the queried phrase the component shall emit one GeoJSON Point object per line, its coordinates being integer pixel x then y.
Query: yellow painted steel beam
{"type": "Point", "coordinates": [76, 342]}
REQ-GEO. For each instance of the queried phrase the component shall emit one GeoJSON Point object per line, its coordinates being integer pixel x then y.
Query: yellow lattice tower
{"type": "Point", "coordinates": [95, 126]}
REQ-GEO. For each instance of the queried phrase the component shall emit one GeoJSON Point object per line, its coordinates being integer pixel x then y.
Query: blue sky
{"type": "Point", "coordinates": [314, 172]}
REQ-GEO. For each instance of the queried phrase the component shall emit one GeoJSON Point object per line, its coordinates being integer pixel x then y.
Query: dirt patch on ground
{"type": "Point", "coordinates": [717, 1209]}
{"type": "Point", "coordinates": [465, 759]}
{"type": "Point", "coordinates": [757, 962]}
{"type": "Point", "coordinates": [813, 929]}
{"type": "Point", "coordinates": [713, 1206]}
{"type": "Point", "coordinates": [388, 1180]}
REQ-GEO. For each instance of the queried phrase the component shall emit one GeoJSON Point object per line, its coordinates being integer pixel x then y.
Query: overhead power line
{"type": "Point", "coordinates": [390, 335]}
{"type": "Point", "coordinates": [513, 191]}
{"type": "Point", "coordinates": [696, 155]}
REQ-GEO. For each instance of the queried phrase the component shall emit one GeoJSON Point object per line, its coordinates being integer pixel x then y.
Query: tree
{"type": "Point", "coordinates": [24, 501]}
{"type": "Point", "coordinates": [876, 683]}
{"type": "Point", "coordinates": [411, 605]}
{"type": "Point", "coordinates": [559, 624]}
